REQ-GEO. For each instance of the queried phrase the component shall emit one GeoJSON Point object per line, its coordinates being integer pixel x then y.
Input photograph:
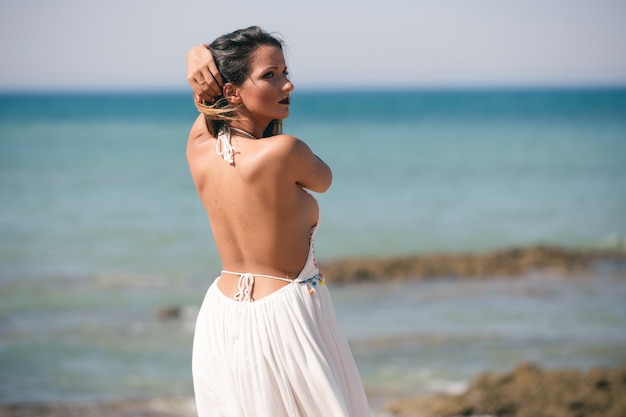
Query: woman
{"type": "Point", "coordinates": [266, 342]}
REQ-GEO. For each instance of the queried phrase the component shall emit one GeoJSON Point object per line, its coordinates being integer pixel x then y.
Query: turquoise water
{"type": "Point", "coordinates": [99, 183]}
{"type": "Point", "coordinates": [100, 226]}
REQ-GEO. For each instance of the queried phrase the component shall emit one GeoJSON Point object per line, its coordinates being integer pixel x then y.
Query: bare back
{"type": "Point", "coordinates": [260, 216]}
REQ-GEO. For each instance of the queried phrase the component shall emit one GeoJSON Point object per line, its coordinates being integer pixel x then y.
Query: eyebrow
{"type": "Point", "coordinates": [273, 67]}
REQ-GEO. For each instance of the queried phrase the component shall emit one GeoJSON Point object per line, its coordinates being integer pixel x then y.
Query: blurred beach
{"type": "Point", "coordinates": [106, 252]}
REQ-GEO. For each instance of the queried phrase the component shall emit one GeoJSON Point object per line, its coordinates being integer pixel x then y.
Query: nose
{"type": "Point", "coordinates": [288, 86]}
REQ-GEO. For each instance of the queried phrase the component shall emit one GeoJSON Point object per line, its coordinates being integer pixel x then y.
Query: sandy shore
{"type": "Point", "coordinates": [501, 263]}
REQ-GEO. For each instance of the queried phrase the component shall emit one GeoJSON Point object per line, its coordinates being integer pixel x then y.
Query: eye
{"type": "Point", "coordinates": [268, 75]}
{"type": "Point", "coordinates": [286, 73]}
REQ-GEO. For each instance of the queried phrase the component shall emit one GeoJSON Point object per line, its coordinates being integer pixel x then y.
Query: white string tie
{"type": "Point", "coordinates": [223, 147]}
{"type": "Point", "coordinates": [245, 285]}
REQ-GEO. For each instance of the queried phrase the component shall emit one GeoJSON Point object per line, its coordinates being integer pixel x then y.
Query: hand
{"type": "Point", "coordinates": [202, 74]}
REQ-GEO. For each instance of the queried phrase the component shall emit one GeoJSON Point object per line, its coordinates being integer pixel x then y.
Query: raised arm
{"type": "Point", "coordinates": [308, 170]}
{"type": "Point", "coordinates": [202, 74]}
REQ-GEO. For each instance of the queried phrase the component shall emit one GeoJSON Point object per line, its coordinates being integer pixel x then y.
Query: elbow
{"type": "Point", "coordinates": [328, 180]}
{"type": "Point", "coordinates": [322, 182]}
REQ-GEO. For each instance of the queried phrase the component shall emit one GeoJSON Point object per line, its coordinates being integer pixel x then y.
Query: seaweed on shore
{"type": "Point", "coordinates": [499, 263]}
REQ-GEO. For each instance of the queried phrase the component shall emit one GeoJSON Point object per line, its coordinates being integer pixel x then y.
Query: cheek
{"type": "Point", "coordinates": [257, 96]}
{"type": "Point", "coordinates": [267, 94]}
{"type": "Point", "coordinates": [261, 94]}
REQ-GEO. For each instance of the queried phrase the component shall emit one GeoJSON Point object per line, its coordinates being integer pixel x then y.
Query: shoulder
{"type": "Point", "coordinates": [281, 154]}
{"type": "Point", "coordinates": [297, 162]}
{"type": "Point", "coordinates": [198, 129]}
{"type": "Point", "coordinates": [287, 147]}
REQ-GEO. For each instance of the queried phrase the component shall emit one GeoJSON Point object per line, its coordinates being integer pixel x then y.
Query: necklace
{"type": "Point", "coordinates": [244, 133]}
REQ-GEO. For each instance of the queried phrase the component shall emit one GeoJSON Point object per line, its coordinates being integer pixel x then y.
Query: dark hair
{"type": "Point", "coordinates": [232, 54]}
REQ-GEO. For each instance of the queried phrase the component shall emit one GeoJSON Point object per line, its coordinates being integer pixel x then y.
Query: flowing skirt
{"type": "Point", "coordinates": [280, 356]}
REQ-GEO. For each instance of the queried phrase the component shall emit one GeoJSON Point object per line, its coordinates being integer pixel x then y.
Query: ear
{"type": "Point", "coordinates": [231, 94]}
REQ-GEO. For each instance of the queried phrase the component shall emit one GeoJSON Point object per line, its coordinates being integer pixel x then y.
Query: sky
{"type": "Point", "coordinates": [50, 45]}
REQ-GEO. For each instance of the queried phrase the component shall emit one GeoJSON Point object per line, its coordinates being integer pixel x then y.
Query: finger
{"type": "Point", "coordinates": [205, 98]}
{"type": "Point", "coordinates": [199, 91]}
{"type": "Point", "coordinates": [206, 91]}
{"type": "Point", "coordinates": [209, 85]}
{"type": "Point", "coordinates": [194, 83]}
{"type": "Point", "coordinates": [196, 87]}
{"type": "Point", "coordinates": [215, 73]}
{"type": "Point", "coordinates": [212, 84]}
{"type": "Point", "coordinates": [200, 86]}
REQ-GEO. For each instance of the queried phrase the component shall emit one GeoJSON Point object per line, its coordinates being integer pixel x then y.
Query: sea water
{"type": "Point", "coordinates": [100, 227]}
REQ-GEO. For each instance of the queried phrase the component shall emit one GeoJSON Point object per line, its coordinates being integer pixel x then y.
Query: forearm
{"type": "Point", "coordinates": [202, 73]}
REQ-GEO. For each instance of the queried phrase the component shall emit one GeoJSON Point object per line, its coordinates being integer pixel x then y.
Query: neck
{"type": "Point", "coordinates": [249, 127]}
{"type": "Point", "coordinates": [242, 132]}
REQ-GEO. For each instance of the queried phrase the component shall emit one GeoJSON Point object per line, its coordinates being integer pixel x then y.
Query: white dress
{"type": "Point", "coordinates": [280, 356]}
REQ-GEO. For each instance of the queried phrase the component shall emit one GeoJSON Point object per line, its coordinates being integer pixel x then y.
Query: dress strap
{"type": "Point", "coordinates": [257, 275]}
{"type": "Point", "coordinates": [245, 284]}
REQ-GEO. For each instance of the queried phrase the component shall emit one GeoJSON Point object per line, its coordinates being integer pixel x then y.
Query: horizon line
{"type": "Point", "coordinates": [322, 88]}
